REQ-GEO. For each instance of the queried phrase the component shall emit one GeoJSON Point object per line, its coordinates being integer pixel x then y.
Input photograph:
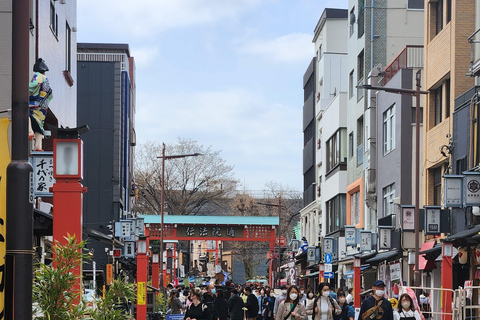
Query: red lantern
{"type": "Point", "coordinates": [477, 253]}
{"type": "Point", "coordinates": [462, 255]}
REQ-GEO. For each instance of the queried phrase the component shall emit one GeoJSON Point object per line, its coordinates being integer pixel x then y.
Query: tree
{"type": "Point", "coordinates": [193, 185]}
{"type": "Point", "coordinates": [114, 305]}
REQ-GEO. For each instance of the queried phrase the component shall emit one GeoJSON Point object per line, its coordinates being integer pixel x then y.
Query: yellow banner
{"type": "Point", "coordinates": [109, 274]}
{"type": "Point", "coordinates": [141, 293]}
{"type": "Point", "coordinates": [4, 161]}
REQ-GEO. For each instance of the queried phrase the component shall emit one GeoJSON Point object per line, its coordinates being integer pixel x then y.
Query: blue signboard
{"type": "Point", "coordinates": [175, 316]}
{"type": "Point", "coordinates": [328, 258]}
{"type": "Point", "coordinates": [328, 275]}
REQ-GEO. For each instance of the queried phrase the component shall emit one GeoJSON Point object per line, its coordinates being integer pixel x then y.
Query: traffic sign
{"type": "Point", "coordinates": [328, 275]}
{"type": "Point", "coordinates": [328, 267]}
{"type": "Point", "coordinates": [328, 258]}
{"type": "Point", "coordinates": [281, 241]}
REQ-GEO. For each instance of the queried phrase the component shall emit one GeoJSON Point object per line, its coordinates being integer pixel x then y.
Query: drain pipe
{"type": "Point", "coordinates": [371, 34]}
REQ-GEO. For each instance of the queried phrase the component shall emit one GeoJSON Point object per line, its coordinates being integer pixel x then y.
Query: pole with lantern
{"type": "Point", "coordinates": [142, 275]}
{"type": "Point", "coordinates": [447, 281]}
{"type": "Point", "coordinates": [357, 274]}
{"type": "Point", "coordinates": [155, 271]}
{"type": "Point", "coordinates": [68, 191]}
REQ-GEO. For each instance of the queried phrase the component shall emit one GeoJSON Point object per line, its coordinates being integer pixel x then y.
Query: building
{"type": "Point", "coordinates": [106, 103]}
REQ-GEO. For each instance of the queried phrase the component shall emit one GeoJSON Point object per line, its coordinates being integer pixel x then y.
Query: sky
{"type": "Point", "coordinates": [226, 73]}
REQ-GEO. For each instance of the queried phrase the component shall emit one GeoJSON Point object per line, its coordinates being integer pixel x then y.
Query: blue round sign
{"type": "Point", "coordinates": [328, 258]}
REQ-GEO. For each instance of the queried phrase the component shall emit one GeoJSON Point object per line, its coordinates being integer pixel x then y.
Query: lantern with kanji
{"type": "Point", "coordinates": [462, 255]}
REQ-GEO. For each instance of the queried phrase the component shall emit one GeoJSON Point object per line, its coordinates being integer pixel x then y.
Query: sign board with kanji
{"type": "Point", "coordinates": [453, 191]}
{"type": "Point", "coordinates": [129, 249]}
{"type": "Point", "coordinates": [141, 293]}
{"type": "Point", "coordinates": [311, 254]}
{"type": "Point", "coordinates": [210, 232]}
{"type": "Point", "coordinates": [432, 220]}
{"type": "Point", "coordinates": [42, 163]}
{"type": "Point", "coordinates": [471, 186]}
{"type": "Point", "coordinates": [109, 273]}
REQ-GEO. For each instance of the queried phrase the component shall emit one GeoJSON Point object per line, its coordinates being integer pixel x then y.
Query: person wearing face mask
{"type": "Point", "coordinates": [261, 304]}
{"type": "Point", "coordinates": [347, 311]}
{"type": "Point", "coordinates": [251, 304]}
{"type": "Point", "coordinates": [376, 306]}
{"type": "Point", "coordinates": [302, 294]}
{"type": "Point", "coordinates": [208, 299]}
{"type": "Point", "coordinates": [309, 304]}
{"type": "Point", "coordinates": [269, 303]}
{"type": "Point", "coordinates": [291, 308]}
{"type": "Point", "coordinates": [325, 306]}
{"type": "Point", "coordinates": [405, 310]}
{"type": "Point", "coordinates": [279, 299]}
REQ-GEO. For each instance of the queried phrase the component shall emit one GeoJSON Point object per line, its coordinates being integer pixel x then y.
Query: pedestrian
{"type": "Point", "coordinates": [333, 295]}
{"type": "Point", "coordinates": [174, 303]}
{"type": "Point", "coordinates": [261, 304]}
{"type": "Point", "coordinates": [309, 304]}
{"type": "Point", "coordinates": [279, 299]}
{"type": "Point", "coordinates": [349, 296]}
{"type": "Point", "coordinates": [291, 308]}
{"type": "Point", "coordinates": [221, 306]}
{"type": "Point", "coordinates": [405, 309]}
{"type": "Point", "coordinates": [197, 310]}
{"type": "Point", "coordinates": [269, 304]}
{"type": "Point", "coordinates": [325, 306]}
{"type": "Point", "coordinates": [235, 306]}
{"type": "Point", "coordinates": [347, 310]}
{"type": "Point", "coordinates": [208, 298]}
{"type": "Point", "coordinates": [251, 304]}
{"type": "Point", "coordinates": [376, 306]}
{"type": "Point", "coordinates": [303, 295]}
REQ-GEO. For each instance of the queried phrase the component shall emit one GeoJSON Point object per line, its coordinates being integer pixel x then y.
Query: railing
{"type": "Point", "coordinates": [114, 57]}
{"type": "Point", "coordinates": [474, 41]}
{"type": "Point", "coordinates": [409, 57]}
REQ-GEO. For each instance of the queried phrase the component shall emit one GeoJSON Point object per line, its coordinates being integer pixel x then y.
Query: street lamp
{"type": "Point", "coordinates": [414, 93]}
{"type": "Point", "coordinates": [162, 196]}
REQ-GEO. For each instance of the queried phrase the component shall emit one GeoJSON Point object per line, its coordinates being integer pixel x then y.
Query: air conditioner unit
{"type": "Point", "coordinates": [62, 1]}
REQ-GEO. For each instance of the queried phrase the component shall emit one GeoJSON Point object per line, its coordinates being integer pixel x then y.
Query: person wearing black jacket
{"type": "Point", "coordinates": [197, 310]}
{"type": "Point", "coordinates": [221, 306]}
{"type": "Point", "coordinates": [376, 306]}
{"type": "Point", "coordinates": [208, 299]}
{"type": "Point", "coordinates": [251, 304]}
{"type": "Point", "coordinates": [235, 306]}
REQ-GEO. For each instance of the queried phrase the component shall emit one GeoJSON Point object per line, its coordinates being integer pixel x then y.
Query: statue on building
{"type": "Point", "coordinates": [304, 246]}
{"type": "Point", "coordinates": [40, 95]}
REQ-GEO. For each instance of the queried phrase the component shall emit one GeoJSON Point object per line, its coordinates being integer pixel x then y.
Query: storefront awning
{"type": "Point", "coordinates": [423, 263]}
{"type": "Point", "coordinates": [312, 274]}
{"type": "Point", "coordinates": [382, 256]}
{"type": "Point", "coordinates": [349, 274]}
{"type": "Point", "coordinates": [463, 238]}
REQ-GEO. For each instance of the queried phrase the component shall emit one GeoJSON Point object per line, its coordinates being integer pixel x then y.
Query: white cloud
{"type": "Point", "coordinates": [147, 17]}
{"type": "Point", "coordinates": [294, 47]}
{"type": "Point", "coordinates": [144, 57]}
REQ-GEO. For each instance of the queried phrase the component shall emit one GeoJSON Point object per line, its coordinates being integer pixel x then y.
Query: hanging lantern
{"type": "Point", "coordinates": [462, 255]}
{"type": "Point", "coordinates": [477, 253]}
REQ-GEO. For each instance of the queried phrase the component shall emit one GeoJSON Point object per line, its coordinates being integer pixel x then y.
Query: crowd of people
{"type": "Point", "coordinates": [254, 302]}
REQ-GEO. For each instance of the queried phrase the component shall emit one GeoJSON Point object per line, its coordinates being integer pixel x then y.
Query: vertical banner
{"type": "Point", "coordinates": [292, 272]}
{"type": "Point", "coordinates": [109, 274]}
{"type": "Point", "coordinates": [4, 161]}
{"type": "Point", "coordinates": [141, 293]}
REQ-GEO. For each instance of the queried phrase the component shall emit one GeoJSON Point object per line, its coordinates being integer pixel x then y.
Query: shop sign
{"type": "Point", "coordinates": [452, 191]}
{"type": "Point", "coordinates": [350, 236]}
{"type": "Point", "coordinates": [109, 274]}
{"type": "Point", "coordinates": [395, 271]}
{"type": "Point", "coordinates": [295, 245]}
{"type": "Point", "coordinates": [385, 237]}
{"type": "Point", "coordinates": [472, 189]}
{"type": "Point", "coordinates": [328, 245]}
{"type": "Point", "coordinates": [432, 220]}
{"type": "Point", "coordinates": [311, 254]}
{"type": "Point", "coordinates": [292, 273]}
{"type": "Point", "coordinates": [42, 163]}
{"type": "Point", "coordinates": [408, 218]}
{"type": "Point", "coordinates": [366, 242]}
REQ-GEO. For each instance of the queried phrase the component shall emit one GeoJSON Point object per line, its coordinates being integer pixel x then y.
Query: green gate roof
{"type": "Point", "coordinates": [215, 220]}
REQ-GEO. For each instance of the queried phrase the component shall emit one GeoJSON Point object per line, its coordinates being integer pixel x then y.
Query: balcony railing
{"type": "Point", "coordinates": [474, 40]}
{"type": "Point", "coordinates": [409, 57]}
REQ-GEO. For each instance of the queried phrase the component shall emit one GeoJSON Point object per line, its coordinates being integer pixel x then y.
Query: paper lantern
{"type": "Point", "coordinates": [477, 253]}
{"type": "Point", "coordinates": [462, 255]}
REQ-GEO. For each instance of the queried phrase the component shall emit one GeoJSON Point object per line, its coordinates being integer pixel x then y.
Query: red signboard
{"type": "Point", "coordinates": [281, 241]}
{"type": "Point", "coordinates": [117, 253]}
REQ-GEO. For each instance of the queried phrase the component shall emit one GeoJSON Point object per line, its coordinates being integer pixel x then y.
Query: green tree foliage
{"type": "Point", "coordinates": [114, 305]}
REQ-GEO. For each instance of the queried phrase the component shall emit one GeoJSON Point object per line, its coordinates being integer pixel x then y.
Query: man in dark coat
{"type": "Point", "coordinates": [208, 299]}
{"type": "Point", "coordinates": [251, 304]}
{"type": "Point", "coordinates": [376, 307]}
{"type": "Point", "coordinates": [235, 306]}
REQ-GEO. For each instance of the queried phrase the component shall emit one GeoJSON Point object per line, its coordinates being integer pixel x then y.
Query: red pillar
{"type": "Point", "coordinates": [142, 277]}
{"type": "Point", "coordinates": [357, 275]}
{"type": "Point", "coordinates": [67, 217]}
{"type": "Point", "coordinates": [155, 271]}
{"type": "Point", "coordinates": [447, 282]}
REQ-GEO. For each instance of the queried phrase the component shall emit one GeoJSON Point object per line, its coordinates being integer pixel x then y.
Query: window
{"type": "Point", "coordinates": [361, 18]}
{"type": "Point", "coordinates": [415, 4]}
{"type": "Point", "coordinates": [447, 98]}
{"type": "Point", "coordinates": [388, 196]}
{"type": "Point", "coordinates": [389, 130]}
{"type": "Point", "coordinates": [68, 49]}
{"type": "Point", "coordinates": [359, 141]}
{"type": "Point", "coordinates": [438, 105]}
{"type": "Point", "coordinates": [449, 10]}
{"type": "Point", "coordinates": [352, 21]}
{"type": "Point", "coordinates": [336, 210]}
{"type": "Point", "coordinates": [350, 85]}
{"type": "Point", "coordinates": [351, 145]}
{"type": "Point", "coordinates": [437, 186]}
{"type": "Point", "coordinates": [355, 208]}
{"type": "Point", "coordinates": [336, 149]}
{"type": "Point", "coordinates": [53, 18]}
{"type": "Point", "coordinates": [439, 16]}
{"type": "Point", "coordinates": [360, 71]}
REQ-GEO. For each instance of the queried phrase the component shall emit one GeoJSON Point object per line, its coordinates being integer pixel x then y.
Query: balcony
{"type": "Point", "coordinates": [474, 40]}
{"type": "Point", "coordinates": [409, 57]}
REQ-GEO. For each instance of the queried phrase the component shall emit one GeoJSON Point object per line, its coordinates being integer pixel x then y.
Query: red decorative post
{"type": "Point", "coordinates": [142, 275]}
{"type": "Point", "coordinates": [68, 191]}
{"type": "Point", "coordinates": [321, 270]}
{"type": "Point", "coordinates": [446, 298]}
{"type": "Point", "coordinates": [357, 274]}
{"type": "Point", "coordinates": [155, 271]}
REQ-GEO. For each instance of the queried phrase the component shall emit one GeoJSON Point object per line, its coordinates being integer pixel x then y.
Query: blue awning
{"type": "Point", "coordinates": [349, 274]}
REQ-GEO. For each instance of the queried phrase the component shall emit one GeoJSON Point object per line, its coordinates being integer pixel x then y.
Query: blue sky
{"type": "Point", "coordinates": [227, 73]}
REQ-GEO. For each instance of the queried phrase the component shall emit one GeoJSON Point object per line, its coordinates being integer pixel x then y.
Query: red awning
{"type": "Point", "coordinates": [424, 264]}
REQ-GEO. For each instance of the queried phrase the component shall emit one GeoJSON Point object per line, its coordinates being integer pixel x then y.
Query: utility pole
{"type": "Point", "coordinates": [19, 226]}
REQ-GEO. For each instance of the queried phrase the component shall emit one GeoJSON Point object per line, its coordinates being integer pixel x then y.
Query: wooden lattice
{"type": "Point", "coordinates": [156, 230]}
{"type": "Point", "coordinates": [258, 232]}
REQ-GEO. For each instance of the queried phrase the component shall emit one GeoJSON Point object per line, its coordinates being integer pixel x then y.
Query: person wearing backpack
{"type": "Point", "coordinates": [197, 310]}
{"type": "Point", "coordinates": [347, 310]}
{"type": "Point", "coordinates": [326, 308]}
{"type": "Point", "coordinates": [376, 307]}
{"type": "Point", "coordinates": [291, 308]}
